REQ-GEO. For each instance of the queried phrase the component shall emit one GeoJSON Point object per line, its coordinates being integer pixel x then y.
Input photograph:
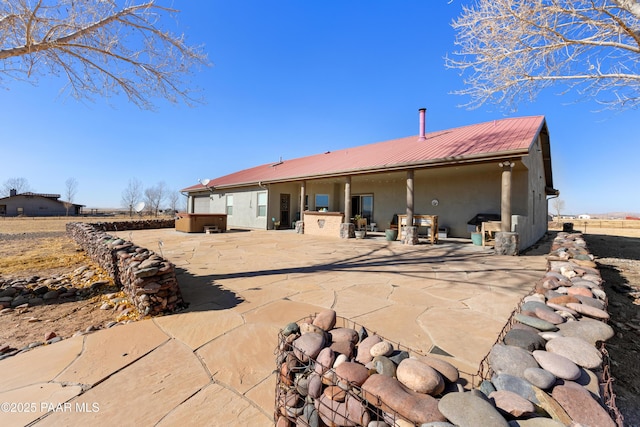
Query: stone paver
{"type": "Point", "coordinates": [213, 364]}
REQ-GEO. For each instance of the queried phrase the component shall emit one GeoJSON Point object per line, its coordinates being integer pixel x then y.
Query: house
{"type": "Point", "coordinates": [34, 204]}
{"type": "Point", "coordinates": [502, 167]}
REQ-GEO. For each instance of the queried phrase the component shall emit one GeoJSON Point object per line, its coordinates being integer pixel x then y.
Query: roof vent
{"type": "Point", "coordinates": [423, 113]}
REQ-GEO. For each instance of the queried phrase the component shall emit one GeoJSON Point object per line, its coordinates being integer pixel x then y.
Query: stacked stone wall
{"type": "Point", "coordinates": [148, 279]}
{"type": "Point", "coordinates": [147, 224]}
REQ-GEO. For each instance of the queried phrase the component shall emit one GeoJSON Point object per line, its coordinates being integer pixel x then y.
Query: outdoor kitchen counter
{"type": "Point", "coordinates": [323, 223]}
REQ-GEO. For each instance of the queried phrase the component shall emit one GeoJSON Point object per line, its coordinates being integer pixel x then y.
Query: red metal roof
{"type": "Point", "coordinates": [511, 136]}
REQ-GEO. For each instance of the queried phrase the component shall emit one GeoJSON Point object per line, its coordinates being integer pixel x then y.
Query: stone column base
{"type": "Point", "coordinates": [347, 231]}
{"type": "Point", "coordinates": [410, 236]}
{"type": "Point", "coordinates": [507, 243]}
{"type": "Point", "coordinates": [300, 227]}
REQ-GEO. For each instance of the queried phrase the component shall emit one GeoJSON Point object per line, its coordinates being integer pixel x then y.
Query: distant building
{"type": "Point", "coordinates": [35, 204]}
{"type": "Point", "coordinates": [584, 216]}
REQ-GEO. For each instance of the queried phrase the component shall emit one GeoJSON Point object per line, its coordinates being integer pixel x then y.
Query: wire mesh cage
{"type": "Point", "coordinates": [308, 393]}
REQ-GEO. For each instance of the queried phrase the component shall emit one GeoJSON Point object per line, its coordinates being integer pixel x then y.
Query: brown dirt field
{"type": "Point", "coordinates": [40, 247]}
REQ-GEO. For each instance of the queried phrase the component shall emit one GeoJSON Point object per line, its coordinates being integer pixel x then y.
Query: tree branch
{"type": "Point", "coordinates": [88, 40]}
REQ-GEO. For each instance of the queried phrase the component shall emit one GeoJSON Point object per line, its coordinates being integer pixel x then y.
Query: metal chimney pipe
{"type": "Point", "coordinates": [423, 125]}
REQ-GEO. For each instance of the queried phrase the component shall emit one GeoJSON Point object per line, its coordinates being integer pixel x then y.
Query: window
{"type": "Point", "coordinates": [322, 202]}
{"type": "Point", "coordinates": [262, 204]}
{"type": "Point", "coordinates": [230, 205]}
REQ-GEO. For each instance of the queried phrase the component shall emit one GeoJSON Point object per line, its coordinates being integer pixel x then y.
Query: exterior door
{"type": "Point", "coordinates": [285, 210]}
{"type": "Point", "coordinates": [363, 205]}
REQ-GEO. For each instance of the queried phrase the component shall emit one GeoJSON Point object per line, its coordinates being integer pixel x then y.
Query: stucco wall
{"type": "Point", "coordinates": [35, 206]}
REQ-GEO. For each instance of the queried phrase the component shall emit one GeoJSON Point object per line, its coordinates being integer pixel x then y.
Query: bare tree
{"type": "Point", "coordinates": [71, 188]}
{"type": "Point", "coordinates": [174, 200]}
{"type": "Point", "coordinates": [21, 185]}
{"type": "Point", "coordinates": [558, 206]}
{"type": "Point", "coordinates": [510, 50]}
{"type": "Point", "coordinates": [132, 195]}
{"type": "Point", "coordinates": [154, 197]}
{"type": "Point", "coordinates": [100, 47]}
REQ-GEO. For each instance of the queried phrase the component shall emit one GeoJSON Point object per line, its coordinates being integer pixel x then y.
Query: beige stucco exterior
{"type": "Point", "coordinates": [461, 192]}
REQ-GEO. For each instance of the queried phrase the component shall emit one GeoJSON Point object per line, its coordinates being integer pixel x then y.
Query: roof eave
{"type": "Point", "coordinates": [442, 162]}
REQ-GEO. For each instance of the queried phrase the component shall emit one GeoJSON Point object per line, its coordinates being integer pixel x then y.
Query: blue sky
{"type": "Point", "coordinates": [295, 78]}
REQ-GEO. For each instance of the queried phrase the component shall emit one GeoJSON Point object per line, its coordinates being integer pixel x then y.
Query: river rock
{"type": "Point", "coordinates": [523, 327]}
{"type": "Point", "coordinates": [540, 378]}
{"type": "Point", "coordinates": [384, 366]}
{"type": "Point", "coordinates": [549, 315]}
{"type": "Point", "coordinates": [390, 395]}
{"type": "Point", "coordinates": [548, 335]}
{"type": "Point", "coordinates": [325, 320]}
{"type": "Point", "coordinates": [581, 407]}
{"type": "Point", "coordinates": [434, 424]}
{"type": "Point", "coordinates": [524, 339]}
{"type": "Point", "coordinates": [383, 348]}
{"type": "Point", "coordinates": [449, 372]}
{"type": "Point", "coordinates": [512, 403]}
{"type": "Point", "coordinates": [308, 346]}
{"type": "Point", "coordinates": [308, 328]}
{"type": "Point", "coordinates": [336, 393]}
{"type": "Point", "coordinates": [533, 305]}
{"type": "Point", "coordinates": [420, 377]}
{"type": "Point", "coordinates": [589, 330]}
{"type": "Point", "coordinates": [324, 360]}
{"type": "Point", "coordinates": [562, 300]}
{"type": "Point", "coordinates": [314, 385]}
{"type": "Point", "coordinates": [577, 350]}
{"type": "Point", "coordinates": [486, 387]}
{"type": "Point", "coordinates": [468, 410]}
{"type": "Point", "coordinates": [290, 328]}
{"type": "Point", "coordinates": [347, 413]}
{"type": "Point", "coordinates": [344, 334]}
{"type": "Point", "coordinates": [579, 290]}
{"type": "Point", "coordinates": [515, 384]}
{"type": "Point", "coordinates": [536, 422]}
{"type": "Point", "coordinates": [398, 356]}
{"type": "Point", "coordinates": [558, 365]}
{"type": "Point", "coordinates": [560, 308]}
{"type": "Point", "coordinates": [364, 349]}
{"type": "Point", "coordinates": [343, 347]}
{"type": "Point", "coordinates": [510, 360]}
{"type": "Point", "coordinates": [535, 322]}
{"type": "Point", "coordinates": [590, 381]}
{"type": "Point", "coordinates": [587, 310]}
{"type": "Point", "coordinates": [351, 373]}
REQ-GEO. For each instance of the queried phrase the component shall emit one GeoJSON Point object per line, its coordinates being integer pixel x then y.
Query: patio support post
{"type": "Point", "coordinates": [411, 232]}
{"type": "Point", "coordinates": [347, 200]}
{"type": "Point", "coordinates": [410, 198]}
{"type": "Point", "coordinates": [302, 197]}
{"type": "Point", "coordinates": [505, 203]}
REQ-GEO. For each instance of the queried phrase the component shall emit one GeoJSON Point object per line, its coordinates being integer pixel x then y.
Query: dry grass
{"type": "Point", "coordinates": [49, 224]}
{"type": "Point", "coordinates": [53, 253]}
